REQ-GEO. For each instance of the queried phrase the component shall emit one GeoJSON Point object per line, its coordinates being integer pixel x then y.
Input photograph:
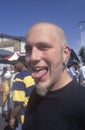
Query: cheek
{"type": "Point", "coordinates": [53, 57]}
{"type": "Point", "coordinates": [50, 54]}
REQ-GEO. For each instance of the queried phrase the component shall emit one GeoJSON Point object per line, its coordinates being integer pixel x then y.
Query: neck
{"type": "Point", "coordinates": [63, 81]}
{"type": "Point", "coordinates": [24, 68]}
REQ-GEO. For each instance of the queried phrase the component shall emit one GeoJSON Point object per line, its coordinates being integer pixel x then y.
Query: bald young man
{"type": "Point", "coordinates": [63, 100]}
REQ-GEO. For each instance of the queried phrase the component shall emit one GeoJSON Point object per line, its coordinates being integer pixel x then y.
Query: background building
{"type": "Point", "coordinates": [12, 43]}
{"type": "Point", "coordinates": [82, 32]}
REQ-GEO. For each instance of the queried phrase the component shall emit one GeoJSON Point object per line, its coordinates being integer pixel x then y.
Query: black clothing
{"type": "Point", "coordinates": [8, 128]}
{"type": "Point", "coordinates": [63, 109]}
{"type": "Point", "coordinates": [34, 101]}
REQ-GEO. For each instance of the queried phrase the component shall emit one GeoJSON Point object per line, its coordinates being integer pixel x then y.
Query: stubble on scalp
{"type": "Point", "coordinates": [57, 31]}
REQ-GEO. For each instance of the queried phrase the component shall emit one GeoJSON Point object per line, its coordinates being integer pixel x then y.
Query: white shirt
{"type": "Point", "coordinates": [82, 72]}
{"type": "Point", "coordinates": [72, 72]}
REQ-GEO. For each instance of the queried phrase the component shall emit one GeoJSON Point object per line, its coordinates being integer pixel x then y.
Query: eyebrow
{"type": "Point", "coordinates": [39, 43]}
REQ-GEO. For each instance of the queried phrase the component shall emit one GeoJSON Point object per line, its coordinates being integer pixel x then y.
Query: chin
{"type": "Point", "coordinates": [42, 92]}
{"type": "Point", "coordinates": [42, 89]}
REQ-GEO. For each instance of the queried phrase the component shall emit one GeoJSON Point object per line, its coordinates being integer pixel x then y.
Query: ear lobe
{"type": "Point", "coordinates": [67, 52]}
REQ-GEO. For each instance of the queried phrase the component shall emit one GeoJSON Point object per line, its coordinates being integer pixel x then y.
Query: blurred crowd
{"type": "Point", "coordinates": [77, 72]}
{"type": "Point", "coordinates": [16, 86]}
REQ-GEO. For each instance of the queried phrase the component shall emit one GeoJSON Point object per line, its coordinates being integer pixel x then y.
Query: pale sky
{"type": "Point", "coordinates": [16, 17]}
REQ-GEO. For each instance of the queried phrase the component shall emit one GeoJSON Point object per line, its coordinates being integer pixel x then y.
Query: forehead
{"type": "Point", "coordinates": [45, 31]}
{"type": "Point", "coordinates": [40, 31]}
{"type": "Point", "coordinates": [42, 34]}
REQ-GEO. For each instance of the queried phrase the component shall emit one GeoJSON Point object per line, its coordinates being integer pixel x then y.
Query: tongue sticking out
{"type": "Point", "coordinates": [39, 74]}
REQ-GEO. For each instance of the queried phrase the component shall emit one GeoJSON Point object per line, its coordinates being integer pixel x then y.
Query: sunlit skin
{"type": "Point", "coordinates": [46, 51]}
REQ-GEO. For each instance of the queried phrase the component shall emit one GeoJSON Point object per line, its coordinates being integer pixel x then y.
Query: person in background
{"type": "Point", "coordinates": [63, 103]}
{"type": "Point", "coordinates": [6, 94]}
{"type": "Point", "coordinates": [14, 72]}
{"type": "Point", "coordinates": [9, 127]}
{"type": "Point", "coordinates": [2, 75]}
{"type": "Point", "coordinates": [2, 80]}
{"type": "Point", "coordinates": [82, 75]}
{"type": "Point", "coordinates": [74, 71]}
{"type": "Point", "coordinates": [23, 84]}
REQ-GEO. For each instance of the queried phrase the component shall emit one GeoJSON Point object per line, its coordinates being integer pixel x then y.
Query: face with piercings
{"type": "Point", "coordinates": [45, 53]}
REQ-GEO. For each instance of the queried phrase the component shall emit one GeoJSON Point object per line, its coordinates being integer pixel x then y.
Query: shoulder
{"type": "Point", "coordinates": [76, 90]}
{"type": "Point", "coordinates": [79, 93]}
{"type": "Point", "coordinates": [23, 74]}
{"type": "Point", "coordinates": [78, 87]}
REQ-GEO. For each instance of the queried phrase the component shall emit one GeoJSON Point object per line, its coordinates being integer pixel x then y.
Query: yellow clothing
{"type": "Point", "coordinates": [23, 84]}
{"type": "Point", "coordinates": [6, 91]}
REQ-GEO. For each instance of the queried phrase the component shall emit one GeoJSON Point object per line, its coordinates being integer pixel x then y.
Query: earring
{"type": "Point", "coordinates": [65, 63]}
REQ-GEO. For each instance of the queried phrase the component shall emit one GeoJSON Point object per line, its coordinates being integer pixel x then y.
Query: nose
{"type": "Point", "coordinates": [35, 55]}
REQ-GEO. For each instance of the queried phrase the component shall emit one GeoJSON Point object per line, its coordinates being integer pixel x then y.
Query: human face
{"type": "Point", "coordinates": [45, 56]}
{"type": "Point", "coordinates": [18, 66]}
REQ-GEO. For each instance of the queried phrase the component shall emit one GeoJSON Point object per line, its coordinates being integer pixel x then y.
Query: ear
{"type": "Point", "coordinates": [67, 53]}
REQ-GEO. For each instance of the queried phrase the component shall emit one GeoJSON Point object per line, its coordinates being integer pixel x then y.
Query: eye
{"type": "Point", "coordinates": [28, 50]}
{"type": "Point", "coordinates": [43, 47]}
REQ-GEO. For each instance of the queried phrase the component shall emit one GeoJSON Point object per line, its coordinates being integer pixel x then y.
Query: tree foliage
{"type": "Point", "coordinates": [82, 54]}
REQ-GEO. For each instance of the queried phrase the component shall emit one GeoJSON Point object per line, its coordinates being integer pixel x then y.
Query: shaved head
{"type": "Point", "coordinates": [57, 32]}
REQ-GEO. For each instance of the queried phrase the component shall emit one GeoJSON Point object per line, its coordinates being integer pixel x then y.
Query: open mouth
{"type": "Point", "coordinates": [39, 73]}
